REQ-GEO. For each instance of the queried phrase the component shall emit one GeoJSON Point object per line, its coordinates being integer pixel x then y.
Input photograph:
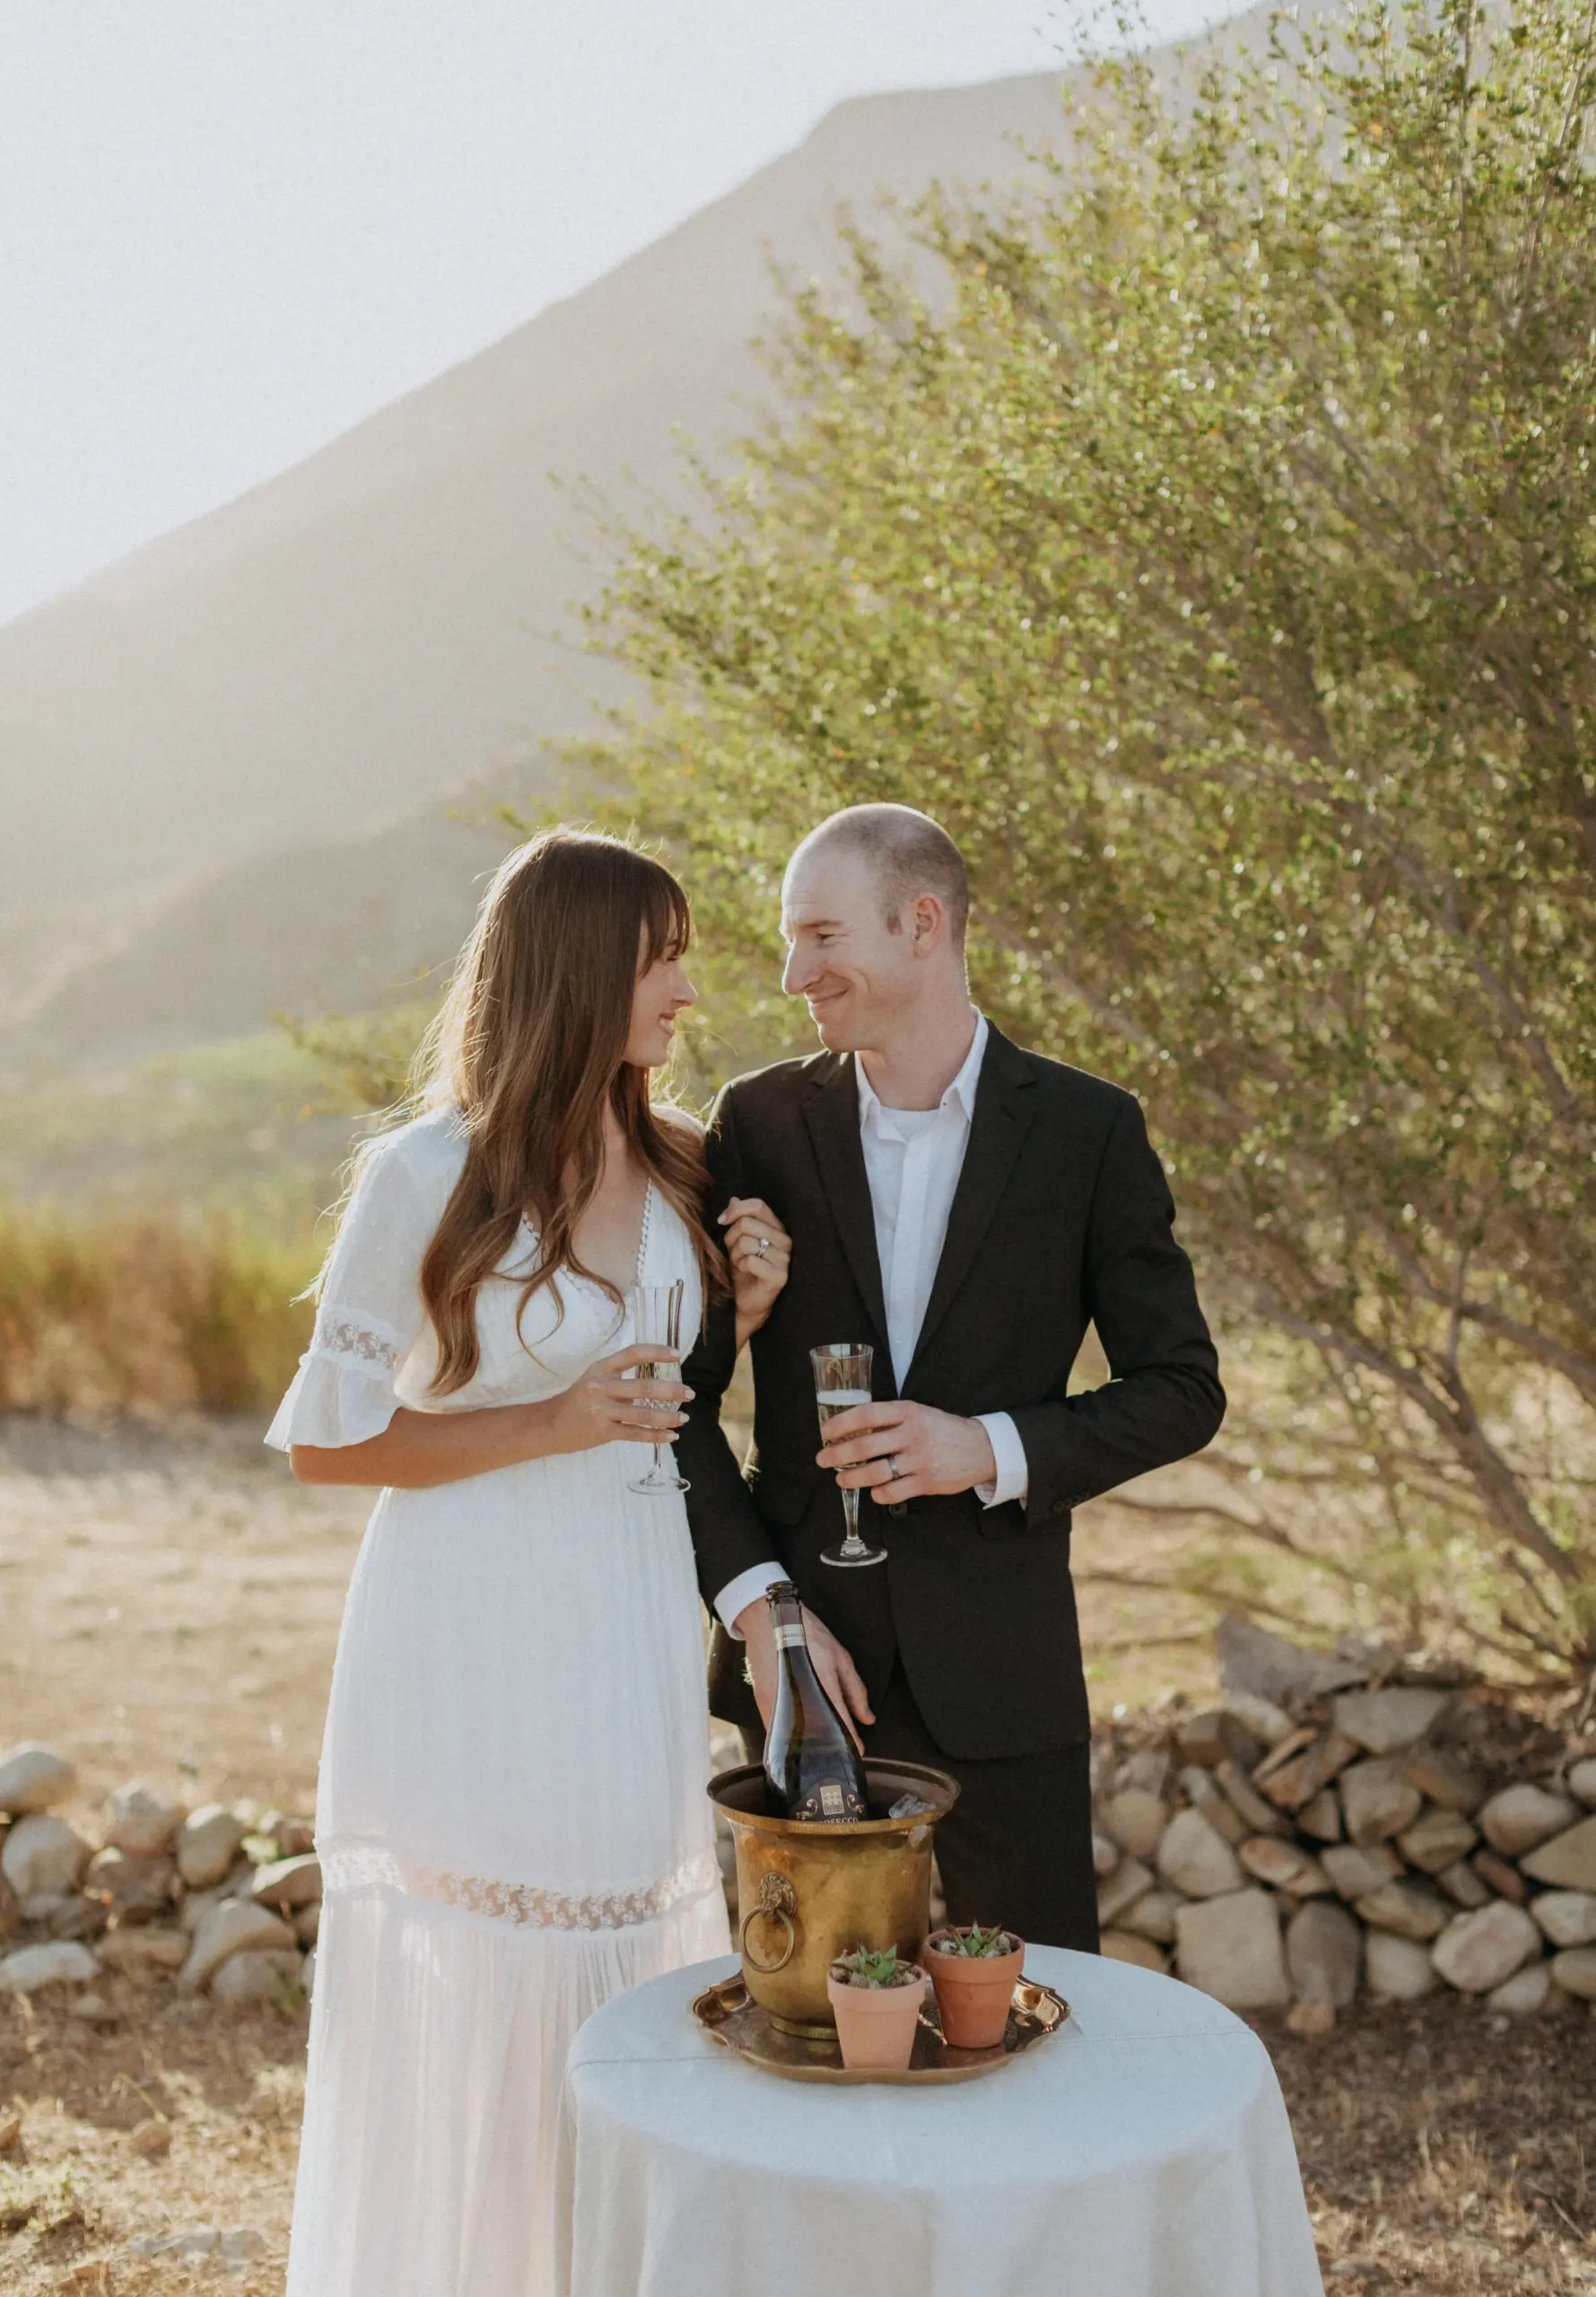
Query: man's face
{"type": "Point", "coordinates": [859, 978]}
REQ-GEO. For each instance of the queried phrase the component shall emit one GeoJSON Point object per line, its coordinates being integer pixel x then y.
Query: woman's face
{"type": "Point", "coordinates": [663, 991]}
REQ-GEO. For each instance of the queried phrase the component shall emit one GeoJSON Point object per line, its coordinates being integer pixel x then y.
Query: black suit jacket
{"type": "Point", "coordinates": [1062, 1217]}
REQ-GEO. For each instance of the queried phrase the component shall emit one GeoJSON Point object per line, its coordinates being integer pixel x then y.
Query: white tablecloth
{"type": "Point", "coordinates": [1144, 2152]}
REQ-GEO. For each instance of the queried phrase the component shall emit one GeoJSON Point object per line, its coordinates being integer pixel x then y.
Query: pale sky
{"type": "Point", "coordinates": [229, 229]}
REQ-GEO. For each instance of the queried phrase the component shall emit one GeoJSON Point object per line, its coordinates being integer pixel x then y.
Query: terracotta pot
{"type": "Point", "coordinates": [875, 2024]}
{"type": "Point", "coordinates": [974, 1993]}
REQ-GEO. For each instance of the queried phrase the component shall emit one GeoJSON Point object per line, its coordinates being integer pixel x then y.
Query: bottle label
{"type": "Point", "coordinates": [789, 1639]}
{"type": "Point", "coordinates": [830, 1800]}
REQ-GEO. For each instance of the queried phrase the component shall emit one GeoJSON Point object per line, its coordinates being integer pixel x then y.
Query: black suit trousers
{"type": "Point", "coordinates": [1016, 1847]}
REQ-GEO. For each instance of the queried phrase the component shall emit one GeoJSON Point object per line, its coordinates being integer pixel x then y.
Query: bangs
{"type": "Point", "coordinates": [668, 921]}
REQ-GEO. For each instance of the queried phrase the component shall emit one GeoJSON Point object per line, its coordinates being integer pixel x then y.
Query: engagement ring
{"type": "Point", "coordinates": [762, 1243]}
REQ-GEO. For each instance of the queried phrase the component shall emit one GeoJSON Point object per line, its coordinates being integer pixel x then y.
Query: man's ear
{"type": "Point", "coordinates": [928, 924]}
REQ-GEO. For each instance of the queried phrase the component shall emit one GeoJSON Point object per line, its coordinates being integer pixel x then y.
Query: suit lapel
{"type": "Point", "coordinates": [1004, 1102]}
{"type": "Point", "coordinates": [831, 1111]}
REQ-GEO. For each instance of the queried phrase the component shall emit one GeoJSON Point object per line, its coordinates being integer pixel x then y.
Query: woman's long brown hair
{"type": "Point", "coordinates": [530, 1047]}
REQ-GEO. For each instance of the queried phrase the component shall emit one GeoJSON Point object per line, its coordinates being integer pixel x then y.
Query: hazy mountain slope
{"type": "Point", "coordinates": [367, 633]}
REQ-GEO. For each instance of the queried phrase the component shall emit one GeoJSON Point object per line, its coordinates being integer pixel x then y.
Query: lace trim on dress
{"type": "Point", "coordinates": [366, 1866]}
{"type": "Point", "coordinates": [356, 1342]}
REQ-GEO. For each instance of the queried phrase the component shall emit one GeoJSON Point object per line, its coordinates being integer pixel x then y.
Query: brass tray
{"type": "Point", "coordinates": [729, 2017]}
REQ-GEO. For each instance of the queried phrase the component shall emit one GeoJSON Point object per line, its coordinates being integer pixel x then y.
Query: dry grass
{"type": "Point", "coordinates": [171, 1603]}
{"type": "Point", "coordinates": [128, 1309]}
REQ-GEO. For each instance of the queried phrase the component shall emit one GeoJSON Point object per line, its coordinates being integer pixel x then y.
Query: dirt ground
{"type": "Point", "coordinates": [169, 1604]}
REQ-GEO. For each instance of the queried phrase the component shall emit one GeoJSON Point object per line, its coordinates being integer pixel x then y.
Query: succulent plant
{"type": "Point", "coordinates": [981, 1945]}
{"type": "Point", "coordinates": [871, 1966]}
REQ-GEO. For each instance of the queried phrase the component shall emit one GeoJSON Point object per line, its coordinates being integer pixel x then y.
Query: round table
{"type": "Point", "coordinates": [1143, 2152]}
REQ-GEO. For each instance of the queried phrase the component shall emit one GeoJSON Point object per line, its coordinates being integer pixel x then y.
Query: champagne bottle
{"type": "Point", "coordinates": [814, 1768]}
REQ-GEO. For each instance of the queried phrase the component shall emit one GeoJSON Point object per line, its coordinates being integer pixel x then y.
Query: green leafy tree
{"type": "Point", "coordinates": [1209, 546]}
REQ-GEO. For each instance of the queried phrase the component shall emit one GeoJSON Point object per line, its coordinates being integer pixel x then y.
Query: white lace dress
{"type": "Point", "coordinates": [511, 1814]}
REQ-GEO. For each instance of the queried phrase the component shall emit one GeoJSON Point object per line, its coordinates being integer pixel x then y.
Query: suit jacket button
{"type": "Point", "coordinates": [898, 1508]}
{"type": "Point", "coordinates": [1061, 1506]}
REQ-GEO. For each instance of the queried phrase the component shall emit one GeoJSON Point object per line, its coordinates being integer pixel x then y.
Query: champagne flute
{"type": "Point", "coordinates": [657, 1323]}
{"type": "Point", "coordinates": [842, 1382]}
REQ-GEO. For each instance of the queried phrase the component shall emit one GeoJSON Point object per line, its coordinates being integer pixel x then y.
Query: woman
{"type": "Point", "coordinates": [511, 1822]}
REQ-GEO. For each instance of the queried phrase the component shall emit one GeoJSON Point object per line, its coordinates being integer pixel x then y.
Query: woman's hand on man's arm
{"type": "Point", "coordinates": [760, 1251]}
{"type": "Point", "coordinates": [419, 1450]}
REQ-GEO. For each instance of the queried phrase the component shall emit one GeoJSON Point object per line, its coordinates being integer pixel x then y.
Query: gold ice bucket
{"type": "Point", "coordinates": [809, 1891]}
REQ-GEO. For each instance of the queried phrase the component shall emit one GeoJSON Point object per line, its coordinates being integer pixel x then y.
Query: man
{"type": "Point", "coordinates": [967, 1208]}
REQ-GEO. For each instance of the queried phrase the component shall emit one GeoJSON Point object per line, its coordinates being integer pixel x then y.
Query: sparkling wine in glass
{"type": "Point", "coordinates": [841, 1382]}
{"type": "Point", "coordinates": [657, 1323]}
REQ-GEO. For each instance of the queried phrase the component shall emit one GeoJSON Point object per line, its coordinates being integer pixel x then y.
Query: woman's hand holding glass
{"type": "Point", "coordinates": [605, 1406]}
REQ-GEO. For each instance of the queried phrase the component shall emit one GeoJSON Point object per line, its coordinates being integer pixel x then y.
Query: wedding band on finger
{"type": "Point", "coordinates": [893, 1468]}
{"type": "Point", "coordinates": [762, 1246]}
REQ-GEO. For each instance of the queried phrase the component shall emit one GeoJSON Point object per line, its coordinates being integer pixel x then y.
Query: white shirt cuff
{"type": "Point", "coordinates": [747, 1588]}
{"type": "Point", "coordinates": [1013, 1480]}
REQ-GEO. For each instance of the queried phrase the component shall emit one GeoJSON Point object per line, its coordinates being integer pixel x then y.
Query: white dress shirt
{"type": "Point", "coordinates": [913, 1161]}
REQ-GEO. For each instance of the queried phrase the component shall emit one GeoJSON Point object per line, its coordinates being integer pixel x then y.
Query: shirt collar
{"type": "Point", "coordinates": [961, 1092]}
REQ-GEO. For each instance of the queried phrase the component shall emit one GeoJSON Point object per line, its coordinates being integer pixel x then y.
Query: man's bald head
{"type": "Point", "coordinates": [906, 853]}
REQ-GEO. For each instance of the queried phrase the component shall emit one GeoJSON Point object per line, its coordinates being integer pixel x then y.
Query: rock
{"type": "Point", "coordinates": [1567, 1918]}
{"type": "Point", "coordinates": [140, 1953]}
{"type": "Point", "coordinates": [34, 1778]}
{"type": "Point", "coordinates": [1250, 1659]}
{"type": "Point", "coordinates": [307, 1924]}
{"type": "Point", "coordinates": [1573, 1969]}
{"type": "Point", "coordinates": [1217, 1809]}
{"type": "Point", "coordinates": [289, 1883]}
{"type": "Point", "coordinates": [134, 1888]}
{"type": "Point", "coordinates": [1283, 1866]}
{"type": "Point", "coordinates": [1397, 1969]}
{"type": "Point", "coordinates": [1581, 1779]}
{"type": "Point", "coordinates": [1443, 1776]}
{"type": "Point", "coordinates": [11, 2131]}
{"type": "Point", "coordinates": [1291, 1784]}
{"type": "Point", "coordinates": [1325, 1950]}
{"type": "Point", "coordinates": [1406, 1908]}
{"type": "Point", "coordinates": [199, 1904]}
{"type": "Point", "coordinates": [1147, 1768]}
{"type": "Point", "coordinates": [1477, 1951]}
{"type": "Point", "coordinates": [1568, 1861]}
{"type": "Point", "coordinates": [1499, 1876]}
{"type": "Point", "coordinates": [232, 1928]}
{"type": "Point", "coordinates": [1210, 1737]}
{"type": "Point", "coordinates": [1436, 1840]}
{"type": "Point", "coordinates": [1354, 1872]}
{"type": "Point", "coordinates": [43, 1856]}
{"type": "Point", "coordinates": [94, 2010]}
{"type": "Point", "coordinates": [1520, 1817]}
{"type": "Point", "coordinates": [1130, 1882]}
{"type": "Point", "coordinates": [1230, 1947]}
{"type": "Point", "coordinates": [194, 2241]}
{"type": "Point", "coordinates": [295, 1836]}
{"type": "Point", "coordinates": [255, 1977]}
{"type": "Point", "coordinates": [1378, 1801]}
{"type": "Point", "coordinates": [1261, 1817]}
{"type": "Point", "coordinates": [1463, 1884]}
{"type": "Point", "coordinates": [77, 1917]}
{"type": "Point", "coordinates": [1126, 1947]}
{"type": "Point", "coordinates": [1135, 1819]}
{"type": "Point", "coordinates": [1153, 1917]}
{"type": "Point", "coordinates": [1311, 2018]}
{"type": "Point", "coordinates": [11, 1908]}
{"type": "Point", "coordinates": [143, 1824]}
{"type": "Point", "coordinates": [1195, 1859]}
{"type": "Point", "coordinates": [152, 2139]}
{"type": "Point", "coordinates": [63, 1962]}
{"type": "Point", "coordinates": [1322, 1818]}
{"type": "Point", "coordinates": [243, 2241]}
{"type": "Point", "coordinates": [1260, 1717]}
{"type": "Point", "coordinates": [1382, 1721]}
{"type": "Point", "coordinates": [209, 1845]}
{"type": "Point", "coordinates": [1525, 1992]}
{"type": "Point", "coordinates": [1105, 1854]}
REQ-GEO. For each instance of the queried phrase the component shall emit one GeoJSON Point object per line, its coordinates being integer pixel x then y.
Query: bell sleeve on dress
{"type": "Point", "coordinates": [369, 1313]}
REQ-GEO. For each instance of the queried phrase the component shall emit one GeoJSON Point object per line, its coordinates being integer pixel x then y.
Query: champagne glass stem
{"type": "Point", "coordinates": [852, 1542]}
